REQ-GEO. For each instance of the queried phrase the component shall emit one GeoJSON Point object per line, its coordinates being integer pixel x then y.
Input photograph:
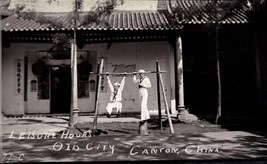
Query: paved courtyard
{"type": "Point", "coordinates": [44, 139]}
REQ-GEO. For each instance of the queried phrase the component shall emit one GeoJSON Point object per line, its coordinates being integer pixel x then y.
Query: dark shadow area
{"type": "Point", "coordinates": [255, 125]}
{"type": "Point", "coordinates": [119, 131]}
{"type": "Point", "coordinates": [243, 107]}
{"type": "Point", "coordinates": [24, 121]}
{"type": "Point", "coordinates": [29, 123]}
{"type": "Point", "coordinates": [136, 147]}
{"type": "Point", "coordinates": [123, 128]}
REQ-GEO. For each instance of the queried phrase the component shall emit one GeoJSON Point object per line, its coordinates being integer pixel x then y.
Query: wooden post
{"type": "Point", "coordinates": [97, 94]}
{"type": "Point", "coordinates": [165, 101]}
{"type": "Point", "coordinates": [158, 94]}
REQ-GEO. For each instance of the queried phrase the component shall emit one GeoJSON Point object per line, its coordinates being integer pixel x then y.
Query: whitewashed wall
{"type": "Point", "coordinates": [143, 54]}
{"type": "Point", "coordinates": [12, 104]}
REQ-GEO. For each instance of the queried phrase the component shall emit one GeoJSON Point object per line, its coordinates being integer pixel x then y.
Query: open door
{"type": "Point", "coordinates": [60, 89]}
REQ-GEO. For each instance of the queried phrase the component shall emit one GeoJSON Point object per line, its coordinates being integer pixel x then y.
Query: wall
{"type": "Point", "coordinates": [34, 105]}
{"type": "Point", "coordinates": [142, 54]}
{"type": "Point", "coordinates": [14, 104]}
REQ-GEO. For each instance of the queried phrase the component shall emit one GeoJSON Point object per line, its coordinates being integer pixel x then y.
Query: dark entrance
{"type": "Point", "coordinates": [60, 89]}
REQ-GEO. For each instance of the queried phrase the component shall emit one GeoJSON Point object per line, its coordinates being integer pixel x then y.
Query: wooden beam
{"type": "Point", "coordinates": [99, 76]}
{"type": "Point", "coordinates": [165, 101]}
{"type": "Point", "coordinates": [158, 95]}
{"type": "Point", "coordinates": [128, 73]}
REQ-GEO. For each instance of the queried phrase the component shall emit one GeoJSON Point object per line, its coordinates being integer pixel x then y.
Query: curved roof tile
{"type": "Point", "coordinates": [200, 14]}
{"type": "Point", "coordinates": [116, 21]}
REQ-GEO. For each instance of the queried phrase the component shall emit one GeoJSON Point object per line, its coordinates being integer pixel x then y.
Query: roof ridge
{"type": "Point", "coordinates": [115, 22]}
{"type": "Point", "coordinates": [114, 12]}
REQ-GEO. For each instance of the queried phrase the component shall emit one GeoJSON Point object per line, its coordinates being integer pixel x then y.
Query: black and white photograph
{"type": "Point", "coordinates": [114, 81]}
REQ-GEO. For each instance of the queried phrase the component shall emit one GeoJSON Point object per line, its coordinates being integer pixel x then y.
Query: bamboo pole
{"type": "Point", "coordinates": [127, 73]}
{"type": "Point", "coordinates": [97, 94]}
{"type": "Point", "coordinates": [165, 101]}
{"type": "Point", "coordinates": [158, 95]}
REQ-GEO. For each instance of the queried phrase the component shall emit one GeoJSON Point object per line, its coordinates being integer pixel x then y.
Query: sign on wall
{"type": "Point", "coordinates": [61, 57]}
{"type": "Point", "coordinates": [120, 68]}
{"type": "Point", "coordinates": [103, 83]}
{"type": "Point", "coordinates": [18, 76]}
{"type": "Point", "coordinates": [34, 86]}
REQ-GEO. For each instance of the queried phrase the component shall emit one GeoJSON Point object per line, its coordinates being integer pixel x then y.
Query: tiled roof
{"type": "Point", "coordinates": [136, 20]}
{"type": "Point", "coordinates": [150, 20]}
{"type": "Point", "coordinates": [200, 14]}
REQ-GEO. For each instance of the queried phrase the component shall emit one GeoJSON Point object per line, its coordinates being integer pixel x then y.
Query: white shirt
{"type": "Point", "coordinates": [143, 82]}
{"type": "Point", "coordinates": [116, 96]}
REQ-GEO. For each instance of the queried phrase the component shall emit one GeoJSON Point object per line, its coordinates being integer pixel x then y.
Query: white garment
{"type": "Point", "coordinates": [118, 96]}
{"type": "Point", "coordinates": [112, 105]}
{"type": "Point", "coordinates": [144, 83]}
{"type": "Point", "coordinates": [115, 97]}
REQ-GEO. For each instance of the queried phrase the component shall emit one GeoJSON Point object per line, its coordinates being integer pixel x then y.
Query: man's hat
{"type": "Point", "coordinates": [117, 84]}
{"type": "Point", "coordinates": [141, 71]}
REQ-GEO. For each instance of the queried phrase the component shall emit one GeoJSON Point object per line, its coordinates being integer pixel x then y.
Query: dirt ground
{"type": "Point", "coordinates": [124, 128]}
{"type": "Point", "coordinates": [118, 140]}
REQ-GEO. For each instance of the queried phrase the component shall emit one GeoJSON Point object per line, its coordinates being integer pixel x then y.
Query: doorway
{"type": "Point", "coordinates": [60, 89]}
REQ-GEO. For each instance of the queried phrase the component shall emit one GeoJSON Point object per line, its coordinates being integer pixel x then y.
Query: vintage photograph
{"type": "Point", "coordinates": [112, 81]}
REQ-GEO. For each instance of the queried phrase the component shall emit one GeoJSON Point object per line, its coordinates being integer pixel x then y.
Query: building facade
{"type": "Point", "coordinates": [136, 36]}
{"type": "Point", "coordinates": [42, 82]}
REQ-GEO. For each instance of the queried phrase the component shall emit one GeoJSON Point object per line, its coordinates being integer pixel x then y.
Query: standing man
{"type": "Point", "coordinates": [144, 84]}
{"type": "Point", "coordinates": [115, 96]}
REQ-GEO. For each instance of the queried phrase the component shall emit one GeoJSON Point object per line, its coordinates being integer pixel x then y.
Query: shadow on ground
{"type": "Point", "coordinates": [136, 147]}
{"type": "Point", "coordinates": [198, 140]}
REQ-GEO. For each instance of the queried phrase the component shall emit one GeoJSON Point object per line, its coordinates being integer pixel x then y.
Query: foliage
{"type": "Point", "coordinates": [75, 18]}
{"type": "Point", "coordinates": [215, 10]}
{"type": "Point", "coordinates": [78, 5]}
{"type": "Point", "coordinates": [255, 4]}
{"type": "Point", "coordinates": [50, 1]}
{"type": "Point", "coordinates": [258, 11]}
{"type": "Point", "coordinates": [60, 39]}
{"type": "Point", "coordinates": [42, 19]}
{"type": "Point", "coordinates": [29, 14]}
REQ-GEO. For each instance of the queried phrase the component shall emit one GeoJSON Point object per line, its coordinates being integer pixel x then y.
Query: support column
{"type": "Point", "coordinates": [258, 71]}
{"type": "Point", "coordinates": [180, 79]}
{"type": "Point", "coordinates": [74, 83]}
